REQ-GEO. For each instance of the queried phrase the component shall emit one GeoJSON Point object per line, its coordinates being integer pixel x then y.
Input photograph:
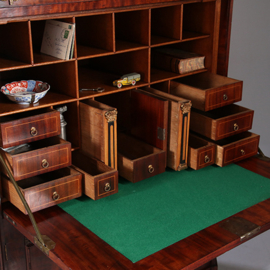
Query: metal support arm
{"type": "Point", "coordinates": [44, 243]}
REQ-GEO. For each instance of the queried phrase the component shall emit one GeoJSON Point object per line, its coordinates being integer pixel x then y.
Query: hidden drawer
{"type": "Point", "coordinates": [98, 179]}
{"type": "Point", "coordinates": [201, 153]}
{"type": "Point", "coordinates": [221, 123]}
{"type": "Point", "coordinates": [28, 127]}
{"type": "Point", "coordinates": [138, 160]}
{"type": "Point", "coordinates": [38, 157]}
{"type": "Point", "coordinates": [44, 190]}
{"type": "Point", "coordinates": [208, 91]}
{"type": "Point", "coordinates": [236, 148]}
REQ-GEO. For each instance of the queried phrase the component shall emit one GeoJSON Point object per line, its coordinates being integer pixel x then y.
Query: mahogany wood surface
{"type": "Point", "coordinates": [78, 248]}
{"type": "Point", "coordinates": [224, 36]}
{"type": "Point", "coordinates": [21, 9]}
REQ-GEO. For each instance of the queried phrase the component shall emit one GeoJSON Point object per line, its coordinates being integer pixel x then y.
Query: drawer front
{"type": "Point", "coordinates": [201, 157]}
{"type": "Point", "coordinates": [223, 96]}
{"type": "Point", "coordinates": [106, 186]}
{"type": "Point", "coordinates": [41, 161]}
{"type": "Point", "coordinates": [30, 129]}
{"type": "Point", "coordinates": [239, 151]}
{"type": "Point", "coordinates": [149, 166]}
{"type": "Point", "coordinates": [206, 157]}
{"type": "Point", "coordinates": [54, 192]}
{"type": "Point", "coordinates": [234, 125]}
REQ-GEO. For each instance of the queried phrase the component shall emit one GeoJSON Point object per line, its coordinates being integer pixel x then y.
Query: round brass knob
{"type": "Point", "coordinates": [243, 152]}
{"type": "Point", "coordinates": [235, 127]}
{"type": "Point", "coordinates": [225, 97]}
{"type": "Point", "coordinates": [44, 163]}
{"type": "Point", "coordinates": [55, 196]}
{"type": "Point", "coordinates": [33, 131]}
{"type": "Point", "coordinates": [206, 159]}
{"type": "Point", "coordinates": [151, 168]}
{"type": "Point", "coordinates": [107, 187]}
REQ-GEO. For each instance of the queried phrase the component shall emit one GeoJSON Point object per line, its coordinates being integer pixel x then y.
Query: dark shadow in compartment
{"type": "Point", "coordinates": [226, 111]}
{"type": "Point", "coordinates": [131, 29]}
{"type": "Point", "coordinates": [15, 48]}
{"type": "Point", "coordinates": [198, 20]}
{"type": "Point", "coordinates": [44, 178]}
{"type": "Point", "coordinates": [32, 146]}
{"type": "Point", "coordinates": [69, 123]}
{"type": "Point", "coordinates": [37, 29]}
{"type": "Point", "coordinates": [94, 35]}
{"type": "Point", "coordinates": [165, 25]}
{"type": "Point", "coordinates": [102, 71]}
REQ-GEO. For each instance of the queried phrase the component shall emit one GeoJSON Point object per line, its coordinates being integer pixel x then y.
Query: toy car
{"type": "Point", "coordinates": [127, 79]}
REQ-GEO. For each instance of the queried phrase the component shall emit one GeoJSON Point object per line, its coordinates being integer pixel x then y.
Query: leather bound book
{"type": "Point", "coordinates": [177, 61]}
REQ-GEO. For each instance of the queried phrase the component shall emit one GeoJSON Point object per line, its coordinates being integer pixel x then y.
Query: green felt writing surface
{"type": "Point", "coordinates": [147, 216]}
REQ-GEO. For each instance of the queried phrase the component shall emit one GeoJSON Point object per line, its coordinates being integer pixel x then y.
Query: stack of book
{"type": "Point", "coordinates": [176, 60]}
{"type": "Point", "coordinates": [58, 39]}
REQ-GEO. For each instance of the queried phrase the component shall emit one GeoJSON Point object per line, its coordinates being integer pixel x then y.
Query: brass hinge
{"type": "Point", "coordinates": [241, 227]}
{"type": "Point", "coordinates": [161, 133]}
{"type": "Point", "coordinates": [6, 254]}
{"type": "Point", "coordinates": [49, 244]}
{"type": "Point", "coordinates": [10, 2]}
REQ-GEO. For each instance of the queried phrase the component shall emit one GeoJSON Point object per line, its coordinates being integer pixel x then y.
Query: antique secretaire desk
{"type": "Point", "coordinates": [112, 38]}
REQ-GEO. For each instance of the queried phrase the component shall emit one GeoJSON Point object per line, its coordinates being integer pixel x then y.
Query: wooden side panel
{"type": "Point", "coordinates": [99, 131]}
{"type": "Point", "coordinates": [13, 247]}
{"type": "Point", "coordinates": [92, 131]}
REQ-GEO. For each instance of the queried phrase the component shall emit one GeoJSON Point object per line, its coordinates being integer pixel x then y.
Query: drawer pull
{"type": "Point", "coordinates": [151, 169]}
{"type": "Point", "coordinates": [33, 131]}
{"type": "Point", "coordinates": [44, 163]}
{"type": "Point", "coordinates": [107, 187]}
{"type": "Point", "coordinates": [206, 159]}
{"type": "Point", "coordinates": [243, 152]}
{"type": "Point", "coordinates": [225, 97]}
{"type": "Point", "coordinates": [55, 196]}
{"type": "Point", "coordinates": [235, 127]}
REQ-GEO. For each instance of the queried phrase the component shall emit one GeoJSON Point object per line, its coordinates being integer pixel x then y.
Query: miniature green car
{"type": "Point", "coordinates": [127, 79]}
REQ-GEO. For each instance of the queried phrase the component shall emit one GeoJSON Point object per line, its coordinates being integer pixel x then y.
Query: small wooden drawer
{"type": "Point", "coordinates": [28, 127]}
{"type": "Point", "coordinates": [208, 91]}
{"type": "Point", "coordinates": [201, 153]}
{"type": "Point", "coordinates": [138, 160]}
{"type": "Point", "coordinates": [221, 123]}
{"type": "Point", "coordinates": [99, 180]}
{"type": "Point", "coordinates": [236, 148]}
{"type": "Point", "coordinates": [38, 157]}
{"type": "Point", "coordinates": [45, 190]}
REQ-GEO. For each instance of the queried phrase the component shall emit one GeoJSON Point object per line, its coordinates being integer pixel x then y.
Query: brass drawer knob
{"type": "Point", "coordinates": [225, 97]}
{"type": "Point", "coordinates": [151, 168]}
{"type": "Point", "coordinates": [243, 152]}
{"type": "Point", "coordinates": [235, 127]}
{"type": "Point", "coordinates": [33, 131]}
{"type": "Point", "coordinates": [107, 187]}
{"type": "Point", "coordinates": [206, 159]}
{"type": "Point", "coordinates": [44, 163]}
{"type": "Point", "coordinates": [55, 196]}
